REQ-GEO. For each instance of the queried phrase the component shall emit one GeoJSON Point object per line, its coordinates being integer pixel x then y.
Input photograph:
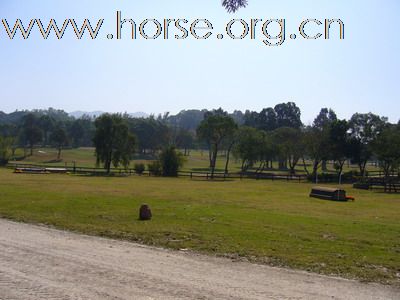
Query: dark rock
{"type": "Point", "coordinates": [145, 213]}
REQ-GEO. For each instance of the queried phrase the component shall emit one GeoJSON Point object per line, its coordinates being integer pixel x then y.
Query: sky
{"type": "Point", "coordinates": [357, 74]}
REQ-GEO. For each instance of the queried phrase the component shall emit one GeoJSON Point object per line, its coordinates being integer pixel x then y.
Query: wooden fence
{"type": "Point", "coordinates": [128, 172]}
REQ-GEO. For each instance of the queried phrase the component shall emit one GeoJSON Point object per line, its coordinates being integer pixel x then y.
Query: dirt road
{"type": "Point", "coordinates": [41, 263]}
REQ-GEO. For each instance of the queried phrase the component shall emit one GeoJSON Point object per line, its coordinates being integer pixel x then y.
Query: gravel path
{"type": "Point", "coordinates": [42, 263]}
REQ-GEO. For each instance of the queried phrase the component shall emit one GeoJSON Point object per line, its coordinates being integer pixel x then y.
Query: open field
{"type": "Point", "coordinates": [262, 221]}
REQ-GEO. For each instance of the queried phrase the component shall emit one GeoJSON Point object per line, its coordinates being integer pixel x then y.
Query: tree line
{"type": "Point", "coordinates": [255, 138]}
{"type": "Point", "coordinates": [277, 134]}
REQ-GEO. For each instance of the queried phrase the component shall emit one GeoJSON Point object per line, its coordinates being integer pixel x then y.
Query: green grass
{"type": "Point", "coordinates": [262, 221]}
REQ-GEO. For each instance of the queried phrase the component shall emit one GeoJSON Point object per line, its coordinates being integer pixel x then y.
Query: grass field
{"type": "Point", "coordinates": [262, 221]}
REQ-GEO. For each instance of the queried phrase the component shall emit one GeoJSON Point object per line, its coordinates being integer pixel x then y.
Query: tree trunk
{"type": "Point", "coordinates": [305, 167]}
{"type": "Point", "coordinates": [292, 164]}
{"type": "Point", "coordinates": [341, 164]}
{"type": "Point", "coordinates": [315, 167]}
{"type": "Point", "coordinates": [323, 166]}
{"type": "Point", "coordinates": [228, 153]}
{"type": "Point", "coordinates": [59, 153]}
{"type": "Point", "coordinates": [214, 162]}
{"type": "Point", "coordinates": [243, 162]}
{"type": "Point", "coordinates": [210, 156]}
{"type": "Point", "coordinates": [362, 167]}
{"type": "Point", "coordinates": [281, 164]}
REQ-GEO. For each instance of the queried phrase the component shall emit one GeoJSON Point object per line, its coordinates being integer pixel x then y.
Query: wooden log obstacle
{"type": "Point", "coordinates": [333, 194]}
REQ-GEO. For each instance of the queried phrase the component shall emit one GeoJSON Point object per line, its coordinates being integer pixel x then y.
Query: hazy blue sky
{"type": "Point", "coordinates": [357, 74]}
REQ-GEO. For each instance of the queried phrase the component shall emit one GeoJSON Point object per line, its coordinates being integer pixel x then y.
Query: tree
{"type": "Point", "coordinates": [339, 143]}
{"type": "Point", "coordinates": [152, 134]}
{"type": "Point", "coordinates": [316, 145]}
{"type": "Point", "coordinates": [171, 161]}
{"type": "Point", "coordinates": [187, 119]}
{"type": "Point", "coordinates": [114, 144]}
{"type": "Point", "coordinates": [267, 119]}
{"type": "Point", "coordinates": [248, 146]}
{"type": "Point", "coordinates": [322, 123]}
{"type": "Point", "coordinates": [30, 131]}
{"type": "Point", "coordinates": [11, 131]}
{"type": "Point", "coordinates": [5, 149]}
{"type": "Point", "coordinates": [251, 119]}
{"type": "Point", "coordinates": [215, 129]}
{"type": "Point", "coordinates": [386, 146]}
{"type": "Point", "coordinates": [59, 139]}
{"type": "Point", "coordinates": [233, 5]}
{"type": "Point", "coordinates": [290, 145]}
{"type": "Point", "coordinates": [325, 117]}
{"type": "Point", "coordinates": [364, 129]}
{"type": "Point", "coordinates": [76, 132]}
{"type": "Point", "coordinates": [288, 115]}
{"type": "Point", "coordinates": [184, 140]}
{"type": "Point", "coordinates": [46, 124]}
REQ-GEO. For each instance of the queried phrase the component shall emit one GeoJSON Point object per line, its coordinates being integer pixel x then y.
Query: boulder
{"type": "Point", "coordinates": [145, 213]}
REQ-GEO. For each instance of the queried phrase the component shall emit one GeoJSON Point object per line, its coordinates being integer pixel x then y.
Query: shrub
{"type": "Point", "coordinates": [155, 168]}
{"type": "Point", "coordinates": [139, 168]}
{"type": "Point", "coordinates": [171, 161]}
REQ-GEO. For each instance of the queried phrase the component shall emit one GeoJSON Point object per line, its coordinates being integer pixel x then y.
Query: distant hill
{"type": "Point", "coordinates": [78, 114]}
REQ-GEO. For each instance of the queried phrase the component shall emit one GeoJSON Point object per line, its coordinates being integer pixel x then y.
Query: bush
{"type": "Point", "coordinates": [347, 177]}
{"type": "Point", "coordinates": [5, 150]}
{"type": "Point", "coordinates": [155, 168]}
{"type": "Point", "coordinates": [3, 162]}
{"type": "Point", "coordinates": [139, 168]}
{"type": "Point", "coordinates": [171, 161]}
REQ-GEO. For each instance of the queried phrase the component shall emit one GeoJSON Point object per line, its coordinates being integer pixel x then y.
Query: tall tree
{"type": "Point", "coordinates": [322, 123]}
{"type": "Point", "coordinates": [114, 144]}
{"type": "Point", "coordinates": [59, 139]}
{"type": "Point", "coordinates": [325, 118]}
{"type": "Point", "coordinates": [76, 132]}
{"type": "Point", "coordinates": [364, 129]}
{"type": "Point", "coordinates": [317, 145]}
{"type": "Point", "coordinates": [30, 131]}
{"type": "Point", "coordinates": [184, 139]}
{"type": "Point", "coordinates": [290, 145]}
{"type": "Point", "coordinates": [249, 146]}
{"type": "Point", "coordinates": [386, 146]}
{"type": "Point", "coordinates": [267, 119]}
{"type": "Point", "coordinates": [339, 143]}
{"type": "Point", "coordinates": [288, 115]}
{"type": "Point", "coordinates": [152, 134]}
{"type": "Point", "coordinates": [46, 124]}
{"type": "Point", "coordinates": [251, 119]}
{"type": "Point", "coordinates": [214, 130]}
